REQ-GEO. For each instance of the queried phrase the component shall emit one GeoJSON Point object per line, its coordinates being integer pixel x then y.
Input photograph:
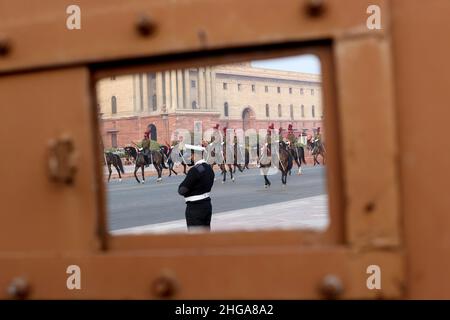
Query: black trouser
{"type": "Point", "coordinates": [198, 213]}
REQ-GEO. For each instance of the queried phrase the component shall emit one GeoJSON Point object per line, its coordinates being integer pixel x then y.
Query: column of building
{"type": "Point", "coordinates": [178, 86]}
{"type": "Point", "coordinates": [201, 88]}
{"type": "Point", "coordinates": [173, 89]}
{"type": "Point", "coordinates": [187, 88]}
{"type": "Point", "coordinates": [208, 87]}
{"type": "Point", "coordinates": [168, 100]}
{"type": "Point", "coordinates": [180, 102]}
{"type": "Point", "coordinates": [159, 91]}
{"type": "Point", "coordinates": [213, 88]}
{"type": "Point", "coordinates": [145, 101]}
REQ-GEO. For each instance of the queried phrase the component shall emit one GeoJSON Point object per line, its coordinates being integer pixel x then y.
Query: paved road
{"type": "Point", "coordinates": [132, 204]}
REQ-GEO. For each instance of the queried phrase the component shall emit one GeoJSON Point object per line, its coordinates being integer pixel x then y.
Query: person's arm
{"type": "Point", "coordinates": [188, 182]}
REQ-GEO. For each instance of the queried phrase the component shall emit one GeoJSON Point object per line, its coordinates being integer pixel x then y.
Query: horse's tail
{"type": "Point", "coordinates": [119, 163]}
{"type": "Point", "coordinates": [302, 155]}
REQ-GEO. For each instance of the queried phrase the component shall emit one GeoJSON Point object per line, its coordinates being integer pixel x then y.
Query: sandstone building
{"type": "Point", "coordinates": [233, 96]}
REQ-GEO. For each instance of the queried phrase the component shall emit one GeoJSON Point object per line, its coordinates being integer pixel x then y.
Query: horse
{"type": "Point", "coordinates": [167, 151]}
{"type": "Point", "coordinates": [284, 164]}
{"type": "Point", "coordinates": [238, 149]}
{"type": "Point", "coordinates": [316, 148]}
{"type": "Point", "coordinates": [219, 159]}
{"type": "Point", "coordinates": [155, 158]}
{"type": "Point", "coordinates": [178, 155]}
{"type": "Point", "coordinates": [298, 154]}
{"type": "Point", "coordinates": [114, 159]}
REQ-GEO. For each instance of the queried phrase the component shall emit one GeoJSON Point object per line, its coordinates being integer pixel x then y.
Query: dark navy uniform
{"type": "Point", "coordinates": [195, 189]}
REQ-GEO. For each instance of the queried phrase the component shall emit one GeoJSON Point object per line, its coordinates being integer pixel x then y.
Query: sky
{"type": "Point", "coordinates": [307, 63]}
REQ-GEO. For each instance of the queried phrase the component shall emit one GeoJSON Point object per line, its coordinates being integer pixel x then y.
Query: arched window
{"type": "Point", "coordinates": [313, 111]}
{"type": "Point", "coordinates": [291, 111]}
{"type": "Point", "coordinates": [225, 109]}
{"type": "Point", "coordinates": [267, 111]}
{"type": "Point", "coordinates": [303, 111]}
{"type": "Point", "coordinates": [194, 104]}
{"type": "Point", "coordinates": [113, 105]}
{"type": "Point", "coordinates": [279, 111]}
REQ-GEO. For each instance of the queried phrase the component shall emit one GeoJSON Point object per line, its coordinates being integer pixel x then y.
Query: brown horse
{"type": "Point", "coordinates": [298, 154]}
{"type": "Point", "coordinates": [177, 155]}
{"type": "Point", "coordinates": [284, 164]}
{"type": "Point", "coordinates": [114, 159]}
{"type": "Point", "coordinates": [217, 154]}
{"type": "Point", "coordinates": [155, 158]}
{"type": "Point", "coordinates": [316, 148]}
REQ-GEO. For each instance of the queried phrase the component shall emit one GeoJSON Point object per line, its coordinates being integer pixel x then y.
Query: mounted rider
{"type": "Point", "coordinates": [280, 135]}
{"type": "Point", "coordinates": [317, 139]}
{"type": "Point", "coordinates": [145, 144]}
{"type": "Point", "coordinates": [291, 136]}
{"type": "Point", "coordinates": [269, 139]}
{"type": "Point", "coordinates": [215, 133]}
{"type": "Point", "coordinates": [269, 134]}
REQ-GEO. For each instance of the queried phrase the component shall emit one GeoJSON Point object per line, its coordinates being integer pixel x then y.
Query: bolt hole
{"type": "Point", "coordinates": [370, 207]}
{"type": "Point", "coordinates": [315, 8]}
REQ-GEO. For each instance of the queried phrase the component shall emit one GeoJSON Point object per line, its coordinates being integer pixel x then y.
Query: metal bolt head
{"type": "Point", "coordinates": [5, 46]}
{"type": "Point", "coordinates": [331, 287]}
{"type": "Point", "coordinates": [165, 286]}
{"type": "Point", "coordinates": [145, 26]}
{"type": "Point", "coordinates": [18, 288]}
{"type": "Point", "coordinates": [315, 8]}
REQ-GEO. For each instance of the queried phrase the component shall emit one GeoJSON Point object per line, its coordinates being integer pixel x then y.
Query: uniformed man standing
{"type": "Point", "coordinates": [195, 189]}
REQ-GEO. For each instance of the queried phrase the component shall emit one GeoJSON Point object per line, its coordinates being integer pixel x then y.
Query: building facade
{"type": "Point", "coordinates": [233, 96]}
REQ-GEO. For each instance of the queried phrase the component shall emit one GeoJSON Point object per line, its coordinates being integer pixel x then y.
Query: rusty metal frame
{"type": "Point", "coordinates": [364, 204]}
{"type": "Point", "coordinates": [334, 234]}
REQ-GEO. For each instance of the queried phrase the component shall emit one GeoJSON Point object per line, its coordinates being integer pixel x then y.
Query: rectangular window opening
{"type": "Point", "coordinates": [179, 132]}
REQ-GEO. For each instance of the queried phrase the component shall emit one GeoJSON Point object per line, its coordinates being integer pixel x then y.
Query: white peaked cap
{"type": "Point", "coordinates": [193, 147]}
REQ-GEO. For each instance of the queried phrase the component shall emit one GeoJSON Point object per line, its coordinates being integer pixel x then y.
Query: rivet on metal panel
{"type": "Point", "coordinates": [18, 289]}
{"type": "Point", "coordinates": [331, 287]}
{"type": "Point", "coordinates": [165, 286]}
{"type": "Point", "coordinates": [62, 160]}
{"type": "Point", "coordinates": [315, 8]}
{"type": "Point", "coordinates": [5, 46]}
{"type": "Point", "coordinates": [369, 207]}
{"type": "Point", "coordinates": [145, 26]}
{"type": "Point", "coordinates": [202, 37]}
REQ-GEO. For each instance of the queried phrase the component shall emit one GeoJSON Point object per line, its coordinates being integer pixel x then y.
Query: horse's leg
{"type": "Point", "coordinates": [159, 169]}
{"type": "Point", "coordinates": [224, 172]}
{"type": "Point", "coordinates": [231, 171]}
{"type": "Point", "coordinates": [143, 177]}
{"type": "Point", "coordinates": [172, 170]}
{"type": "Point", "coordinates": [110, 171]}
{"type": "Point", "coordinates": [118, 171]}
{"type": "Point", "coordinates": [135, 175]}
{"type": "Point", "coordinates": [266, 182]}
